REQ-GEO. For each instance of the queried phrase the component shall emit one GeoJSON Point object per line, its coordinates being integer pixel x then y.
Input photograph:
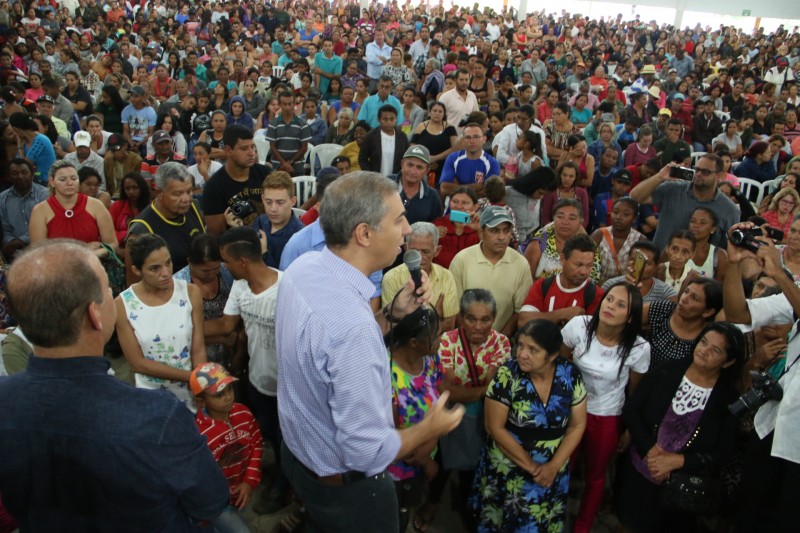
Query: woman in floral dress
{"type": "Point", "coordinates": [535, 413]}
{"type": "Point", "coordinates": [416, 376]}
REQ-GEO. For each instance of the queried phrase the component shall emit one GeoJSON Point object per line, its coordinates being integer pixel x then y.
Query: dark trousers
{"type": "Point", "coordinates": [769, 502]}
{"type": "Point", "coordinates": [366, 506]}
{"type": "Point", "coordinates": [265, 409]}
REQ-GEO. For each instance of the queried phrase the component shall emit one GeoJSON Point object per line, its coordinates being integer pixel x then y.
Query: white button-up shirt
{"type": "Point", "coordinates": [780, 417]}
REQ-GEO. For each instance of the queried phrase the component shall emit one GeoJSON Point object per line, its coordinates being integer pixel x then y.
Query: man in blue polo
{"type": "Point", "coordinates": [471, 166]}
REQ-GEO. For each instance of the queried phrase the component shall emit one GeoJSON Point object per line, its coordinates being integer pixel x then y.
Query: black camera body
{"type": "Point", "coordinates": [682, 173]}
{"type": "Point", "coordinates": [765, 389]}
{"type": "Point", "coordinates": [746, 238]}
{"type": "Point", "coordinates": [242, 209]}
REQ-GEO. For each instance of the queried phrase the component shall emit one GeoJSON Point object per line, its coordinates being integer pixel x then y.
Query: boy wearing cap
{"type": "Point", "coordinates": [232, 435]}
{"type": "Point", "coordinates": [253, 302]}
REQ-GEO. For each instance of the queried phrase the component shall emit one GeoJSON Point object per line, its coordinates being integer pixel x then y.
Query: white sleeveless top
{"type": "Point", "coordinates": [707, 268]}
{"type": "Point", "coordinates": [165, 335]}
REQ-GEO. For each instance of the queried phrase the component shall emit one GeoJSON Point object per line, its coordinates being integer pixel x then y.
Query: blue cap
{"type": "Point", "coordinates": [678, 96]}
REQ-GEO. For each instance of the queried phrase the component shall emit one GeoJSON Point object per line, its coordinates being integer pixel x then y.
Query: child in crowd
{"type": "Point", "coordinates": [530, 153]}
{"type": "Point", "coordinates": [233, 437]}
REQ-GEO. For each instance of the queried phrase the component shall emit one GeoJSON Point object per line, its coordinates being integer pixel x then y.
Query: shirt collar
{"type": "Point", "coordinates": [483, 259]}
{"type": "Point", "coordinates": [347, 272]}
{"type": "Point", "coordinates": [73, 366]}
{"type": "Point", "coordinates": [317, 235]}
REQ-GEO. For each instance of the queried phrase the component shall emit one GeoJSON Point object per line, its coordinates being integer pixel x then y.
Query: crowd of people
{"type": "Point", "coordinates": [605, 214]}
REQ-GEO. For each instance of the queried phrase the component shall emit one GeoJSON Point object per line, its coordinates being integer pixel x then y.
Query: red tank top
{"type": "Point", "coordinates": [76, 223]}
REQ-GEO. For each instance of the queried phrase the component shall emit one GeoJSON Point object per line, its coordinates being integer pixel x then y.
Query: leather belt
{"type": "Point", "coordinates": [345, 478]}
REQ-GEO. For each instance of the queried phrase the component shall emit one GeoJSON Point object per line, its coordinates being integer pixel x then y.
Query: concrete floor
{"type": "Point", "coordinates": [446, 520]}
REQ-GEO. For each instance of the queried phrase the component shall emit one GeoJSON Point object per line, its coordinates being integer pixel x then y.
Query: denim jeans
{"type": "Point", "coordinates": [230, 521]}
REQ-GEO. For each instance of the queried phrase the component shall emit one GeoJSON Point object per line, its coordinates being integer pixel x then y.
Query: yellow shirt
{"type": "Point", "coordinates": [441, 281]}
{"type": "Point", "coordinates": [351, 150]}
{"type": "Point", "coordinates": [509, 280]}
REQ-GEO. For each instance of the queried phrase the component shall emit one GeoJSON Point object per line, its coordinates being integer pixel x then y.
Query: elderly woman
{"type": "Point", "coordinates": [470, 357]}
{"type": "Point", "coordinates": [160, 321]}
{"type": "Point", "coordinates": [341, 131]}
{"type": "Point", "coordinates": [434, 79]}
{"type": "Point", "coordinates": [206, 272]}
{"type": "Point", "coordinates": [69, 214]}
{"type": "Point", "coordinates": [535, 414]}
{"type": "Point", "coordinates": [680, 426]}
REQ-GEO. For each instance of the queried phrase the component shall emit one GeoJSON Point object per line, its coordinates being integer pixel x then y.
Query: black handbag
{"type": "Point", "coordinates": [684, 492]}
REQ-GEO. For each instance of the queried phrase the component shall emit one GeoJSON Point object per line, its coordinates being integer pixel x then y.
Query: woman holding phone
{"type": "Point", "coordinates": [459, 228]}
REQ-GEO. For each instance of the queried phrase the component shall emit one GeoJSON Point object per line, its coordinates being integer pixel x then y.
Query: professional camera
{"type": "Point", "coordinates": [746, 238]}
{"type": "Point", "coordinates": [764, 389]}
{"type": "Point", "coordinates": [242, 209]}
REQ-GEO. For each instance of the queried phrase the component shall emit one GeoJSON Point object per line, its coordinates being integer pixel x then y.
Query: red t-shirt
{"type": "Point", "coordinates": [558, 297]}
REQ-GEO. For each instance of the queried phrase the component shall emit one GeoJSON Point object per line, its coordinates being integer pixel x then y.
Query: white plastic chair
{"type": "Point", "coordinates": [696, 156]}
{"type": "Point", "coordinates": [277, 71]}
{"type": "Point", "coordinates": [770, 186]}
{"type": "Point", "coordinates": [723, 116]}
{"type": "Point", "coordinates": [304, 188]}
{"type": "Point", "coordinates": [324, 153]}
{"type": "Point", "coordinates": [262, 147]}
{"type": "Point", "coordinates": [752, 190]}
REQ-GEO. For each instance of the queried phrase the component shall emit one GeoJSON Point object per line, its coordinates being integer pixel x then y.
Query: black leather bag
{"type": "Point", "coordinates": [693, 493]}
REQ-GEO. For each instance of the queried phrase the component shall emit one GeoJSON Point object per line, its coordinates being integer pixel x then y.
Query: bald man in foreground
{"type": "Point", "coordinates": [81, 450]}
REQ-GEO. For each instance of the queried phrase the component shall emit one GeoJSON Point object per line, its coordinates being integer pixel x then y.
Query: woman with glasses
{"type": "Point", "coordinates": [782, 210]}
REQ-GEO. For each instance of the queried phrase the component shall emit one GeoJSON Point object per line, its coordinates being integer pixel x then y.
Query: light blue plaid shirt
{"type": "Point", "coordinates": [334, 391]}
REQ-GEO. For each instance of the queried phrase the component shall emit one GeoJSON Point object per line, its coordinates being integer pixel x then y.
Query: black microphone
{"type": "Point", "coordinates": [413, 259]}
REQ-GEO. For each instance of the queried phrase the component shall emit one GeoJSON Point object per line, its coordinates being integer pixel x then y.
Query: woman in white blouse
{"type": "Point", "coordinates": [612, 357]}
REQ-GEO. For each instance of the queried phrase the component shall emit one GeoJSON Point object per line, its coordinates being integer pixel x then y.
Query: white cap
{"type": "Point", "coordinates": [82, 138]}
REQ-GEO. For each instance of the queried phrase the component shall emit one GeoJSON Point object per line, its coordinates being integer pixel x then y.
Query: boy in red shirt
{"type": "Point", "coordinates": [233, 437]}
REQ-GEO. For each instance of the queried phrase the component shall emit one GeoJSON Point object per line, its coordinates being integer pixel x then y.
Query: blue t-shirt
{"type": "Point", "coordinates": [43, 155]}
{"type": "Point", "coordinates": [139, 120]}
{"type": "Point", "coordinates": [464, 171]}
